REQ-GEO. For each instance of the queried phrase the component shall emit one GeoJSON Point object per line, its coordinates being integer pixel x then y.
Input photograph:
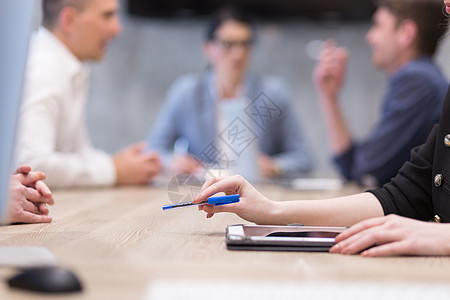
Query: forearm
{"type": "Point", "coordinates": [255, 207]}
{"type": "Point", "coordinates": [93, 168]}
{"type": "Point", "coordinates": [343, 211]}
{"type": "Point", "coordinates": [338, 133]}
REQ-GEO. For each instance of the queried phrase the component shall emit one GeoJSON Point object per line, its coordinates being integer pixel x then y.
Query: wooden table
{"type": "Point", "coordinates": [119, 240]}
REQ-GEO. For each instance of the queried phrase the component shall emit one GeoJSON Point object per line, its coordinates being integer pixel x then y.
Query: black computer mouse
{"type": "Point", "coordinates": [46, 280]}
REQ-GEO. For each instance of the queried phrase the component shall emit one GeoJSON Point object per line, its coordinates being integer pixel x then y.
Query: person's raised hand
{"type": "Point", "coordinates": [329, 72]}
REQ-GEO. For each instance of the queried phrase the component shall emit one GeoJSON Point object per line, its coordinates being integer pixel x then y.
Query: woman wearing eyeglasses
{"type": "Point", "coordinates": [226, 117]}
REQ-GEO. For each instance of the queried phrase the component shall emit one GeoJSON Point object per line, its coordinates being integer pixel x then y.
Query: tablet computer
{"type": "Point", "coordinates": [281, 238]}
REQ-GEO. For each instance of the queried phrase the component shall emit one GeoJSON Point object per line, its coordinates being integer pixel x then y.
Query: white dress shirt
{"type": "Point", "coordinates": [52, 135]}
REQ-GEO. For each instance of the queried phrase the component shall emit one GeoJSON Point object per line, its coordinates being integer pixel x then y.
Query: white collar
{"type": "Point", "coordinates": [73, 65]}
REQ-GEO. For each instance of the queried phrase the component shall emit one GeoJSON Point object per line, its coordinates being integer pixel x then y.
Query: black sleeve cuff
{"type": "Point", "coordinates": [385, 201]}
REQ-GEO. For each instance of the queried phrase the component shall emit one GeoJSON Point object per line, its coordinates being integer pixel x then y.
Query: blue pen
{"type": "Point", "coordinates": [221, 200]}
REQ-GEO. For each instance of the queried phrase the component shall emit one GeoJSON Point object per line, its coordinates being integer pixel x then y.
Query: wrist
{"type": "Point", "coordinates": [119, 177]}
{"type": "Point", "coordinates": [446, 243]}
{"type": "Point", "coordinates": [276, 213]}
{"type": "Point", "coordinates": [329, 102]}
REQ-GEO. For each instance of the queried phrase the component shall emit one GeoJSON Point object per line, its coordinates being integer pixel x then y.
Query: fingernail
{"type": "Point", "coordinates": [336, 248]}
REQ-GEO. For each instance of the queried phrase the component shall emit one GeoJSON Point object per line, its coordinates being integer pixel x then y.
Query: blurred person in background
{"type": "Point", "coordinates": [388, 221]}
{"type": "Point", "coordinates": [196, 113]}
{"type": "Point", "coordinates": [404, 37]}
{"type": "Point", "coordinates": [53, 135]}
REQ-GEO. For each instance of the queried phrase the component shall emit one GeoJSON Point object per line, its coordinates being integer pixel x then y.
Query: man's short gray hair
{"type": "Point", "coordinates": [52, 8]}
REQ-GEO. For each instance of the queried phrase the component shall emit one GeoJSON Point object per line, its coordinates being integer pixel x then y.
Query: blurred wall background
{"type": "Point", "coordinates": [129, 86]}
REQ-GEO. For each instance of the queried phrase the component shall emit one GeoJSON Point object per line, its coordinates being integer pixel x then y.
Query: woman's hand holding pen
{"type": "Point", "coordinates": [253, 207]}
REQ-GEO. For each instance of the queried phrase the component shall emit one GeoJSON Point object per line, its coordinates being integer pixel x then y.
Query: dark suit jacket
{"type": "Point", "coordinates": [421, 189]}
{"type": "Point", "coordinates": [411, 106]}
